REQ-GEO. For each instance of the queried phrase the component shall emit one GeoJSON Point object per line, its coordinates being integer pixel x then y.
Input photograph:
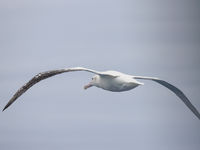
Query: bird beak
{"type": "Point", "coordinates": [88, 86]}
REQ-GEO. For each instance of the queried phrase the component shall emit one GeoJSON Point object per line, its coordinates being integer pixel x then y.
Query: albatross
{"type": "Point", "coordinates": [108, 80]}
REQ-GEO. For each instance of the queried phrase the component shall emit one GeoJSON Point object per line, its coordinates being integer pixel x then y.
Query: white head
{"type": "Point", "coordinates": [94, 82]}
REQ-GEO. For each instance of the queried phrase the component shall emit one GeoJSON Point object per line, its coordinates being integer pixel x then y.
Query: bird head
{"type": "Point", "coordinates": [93, 82]}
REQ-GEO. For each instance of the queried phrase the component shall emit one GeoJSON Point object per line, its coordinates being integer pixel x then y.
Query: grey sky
{"type": "Point", "coordinates": [144, 37]}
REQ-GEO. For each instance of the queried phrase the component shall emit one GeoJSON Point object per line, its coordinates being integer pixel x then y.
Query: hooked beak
{"type": "Point", "coordinates": [88, 86]}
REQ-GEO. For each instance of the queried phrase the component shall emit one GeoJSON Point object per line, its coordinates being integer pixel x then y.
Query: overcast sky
{"type": "Point", "coordinates": [145, 37]}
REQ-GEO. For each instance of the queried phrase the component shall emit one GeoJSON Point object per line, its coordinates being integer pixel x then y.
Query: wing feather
{"type": "Point", "coordinates": [44, 75]}
{"type": "Point", "coordinates": [175, 90]}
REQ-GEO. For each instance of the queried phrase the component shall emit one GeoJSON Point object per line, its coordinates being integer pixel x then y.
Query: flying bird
{"type": "Point", "coordinates": [109, 80]}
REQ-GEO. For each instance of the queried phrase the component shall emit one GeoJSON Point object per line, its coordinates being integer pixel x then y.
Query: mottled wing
{"type": "Point", "coordinates": [42, 76]}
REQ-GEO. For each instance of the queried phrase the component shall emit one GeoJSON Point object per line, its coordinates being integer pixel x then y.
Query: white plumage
{"type": "Point", "coordinates": [109, 80]}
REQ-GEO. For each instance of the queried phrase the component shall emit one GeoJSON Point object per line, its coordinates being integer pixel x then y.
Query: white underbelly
{"type": "Point", "coordinates": [117, 84]}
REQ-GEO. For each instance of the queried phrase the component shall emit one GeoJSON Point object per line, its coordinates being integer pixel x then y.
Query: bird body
{"type": "Point", "coordinates": [121, 82]}
{"type": "Point", "coordinates": [109, 80]}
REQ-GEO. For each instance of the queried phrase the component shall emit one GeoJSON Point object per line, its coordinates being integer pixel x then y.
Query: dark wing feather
{"type": "Point", "coordinates": [42, 76]}
{"type": "Point", "coordinates": [34, 80]}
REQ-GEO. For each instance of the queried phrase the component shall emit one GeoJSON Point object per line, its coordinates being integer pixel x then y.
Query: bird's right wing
{"type": "Point", "coordinates": [175, 90]}
{"type": "Point", "coordinates": [44, 75]}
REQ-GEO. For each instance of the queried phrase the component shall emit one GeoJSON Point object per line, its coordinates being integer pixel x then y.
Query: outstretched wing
{"type": "Point", "coordinates": [42, 76]}
{"type": "Point", "coordinates": [175, 90]}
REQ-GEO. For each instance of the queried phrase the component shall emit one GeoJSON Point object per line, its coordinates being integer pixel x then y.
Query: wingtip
{"type": "Point", "coordinates": [4, 109]}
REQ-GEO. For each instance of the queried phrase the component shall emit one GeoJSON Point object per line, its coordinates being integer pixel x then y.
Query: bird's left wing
{"type": "Point", "coordinates": [44, 75]}
{"type": "Point", "coordinates": [175, 90]}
